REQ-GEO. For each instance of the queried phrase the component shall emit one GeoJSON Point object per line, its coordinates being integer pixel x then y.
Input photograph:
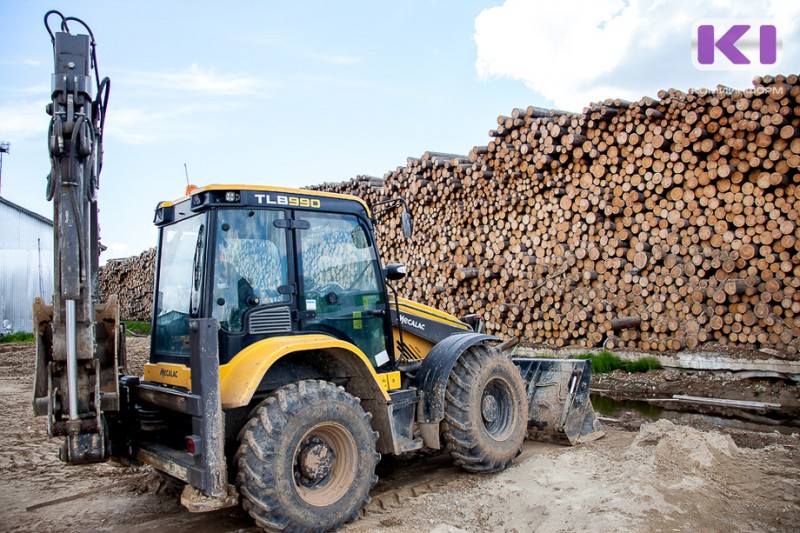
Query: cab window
{"type": "Point", "coordinates": [249, 265]}
{"type": "Point", "coordinates": [179, 272]}
{"type": "Point", "coordinates": [341, 282]}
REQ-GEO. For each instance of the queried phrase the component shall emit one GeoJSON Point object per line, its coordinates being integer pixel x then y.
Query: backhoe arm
{"type": "Point", "coordinates": [77, 338]}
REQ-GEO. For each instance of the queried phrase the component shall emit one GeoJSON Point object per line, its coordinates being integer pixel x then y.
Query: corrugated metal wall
{"type": "Point", "coordinates": [26, 263]}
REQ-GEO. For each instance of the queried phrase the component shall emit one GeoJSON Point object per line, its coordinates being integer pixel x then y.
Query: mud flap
{"type": "Point", "coordinates": [560, 409]}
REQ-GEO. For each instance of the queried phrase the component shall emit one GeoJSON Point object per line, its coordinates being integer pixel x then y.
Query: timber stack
{"type": "Point", "coordinates": [132, 280]}
{"type": "Point", "coordinates": [661, 224]}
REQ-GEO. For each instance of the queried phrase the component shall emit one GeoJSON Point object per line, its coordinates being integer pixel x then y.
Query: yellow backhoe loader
{"type": "Point", "coordinates": [283, 363]}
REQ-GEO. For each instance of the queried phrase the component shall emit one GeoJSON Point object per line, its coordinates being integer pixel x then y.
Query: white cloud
{"type": "Point", "coordinates": [135, 240]}
{"type": "Point", "coordinates": [137, 126]}
{"type": "Point", "coordinates": [179, 104]}
{"type": "Point", "coordinates": [573, 53]}
{"type": "Point", "coordinates": [146, 125]}
{"type": "Point", "coordinates": [23, 120]}
{"type": "Point", "coordinates": [116, 249]}
{"type": "Point", "coordinates": [196, 79]}
{"type": "Point", "coordinates": [26, 62]}
{"type": "Point", "coordinates": [36, 90]}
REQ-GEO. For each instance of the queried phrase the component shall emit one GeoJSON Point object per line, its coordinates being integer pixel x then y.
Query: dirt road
{"type": "Point", "coordinates": [664, 477]}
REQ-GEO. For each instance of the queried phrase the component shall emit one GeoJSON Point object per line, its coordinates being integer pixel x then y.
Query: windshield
{"type": "Point", "coordinates": [179, 276]}
{"type": "Point", "coordinates": [250, 264]}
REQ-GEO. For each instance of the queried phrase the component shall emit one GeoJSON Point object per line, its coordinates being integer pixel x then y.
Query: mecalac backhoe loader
{"type": "Point", "coordinates": [282, 362]}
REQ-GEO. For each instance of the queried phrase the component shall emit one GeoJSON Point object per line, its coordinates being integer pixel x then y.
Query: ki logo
{"type": "Point", "coordinates": [735, 45]}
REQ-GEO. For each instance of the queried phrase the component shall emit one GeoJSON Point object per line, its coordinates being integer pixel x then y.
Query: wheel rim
{"type": "Point", "coordinates": [497, 410]}
{"type": "Point", "coordinates": [324, 464]}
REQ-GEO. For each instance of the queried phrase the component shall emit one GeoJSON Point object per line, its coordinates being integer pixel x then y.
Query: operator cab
{"type": "Point", "coordinates": [267, 262]}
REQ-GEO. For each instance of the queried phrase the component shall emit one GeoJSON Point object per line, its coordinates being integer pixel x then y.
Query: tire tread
{"type": "Point", "coordinates": [467, 443]}
{"type": "Point", "coordinates": [257, 451]}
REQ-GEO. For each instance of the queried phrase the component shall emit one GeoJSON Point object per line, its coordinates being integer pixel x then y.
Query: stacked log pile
{"type": "Point", "coordinates": [659, 225]}
{"type": "Point", "coordinates": [132, 280]}
{"type": "Point", "coordinates": [369, 188]}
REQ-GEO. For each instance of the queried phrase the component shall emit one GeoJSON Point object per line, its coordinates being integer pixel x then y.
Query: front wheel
{"type": "Point", "coordinates": [485, 416]}
{"type": "Point", "coordinates": [306, 458]}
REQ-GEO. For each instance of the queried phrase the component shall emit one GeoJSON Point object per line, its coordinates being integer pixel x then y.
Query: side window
{"type": "Point", "coordinates": [180, 267]}
{"type": "Point", "coordinates": [249, 266]}
{"type": "Point", "coordinates": [341, 284]}
{"type": "Point", "coordinates": [336, 250]}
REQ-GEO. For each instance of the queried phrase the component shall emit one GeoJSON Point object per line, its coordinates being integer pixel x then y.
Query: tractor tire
{"type": "Point", "coordinates": [306, 458]}
{"type": "Point", "coordinates": [485, 413]}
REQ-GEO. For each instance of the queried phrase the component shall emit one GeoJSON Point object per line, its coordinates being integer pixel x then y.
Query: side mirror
{"type": "Point", "coordinates": [408, 224]}
{"type": "Point", "coordinates": [395, 272]}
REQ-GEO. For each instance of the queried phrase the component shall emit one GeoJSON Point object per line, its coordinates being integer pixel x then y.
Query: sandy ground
{"type": "Point", "coordinates": [662, 477]}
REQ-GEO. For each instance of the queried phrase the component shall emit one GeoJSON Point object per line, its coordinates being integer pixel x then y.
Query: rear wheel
{"type": "Point", "coordinates": [485, 419]}
{"type": "Point", "coordinates": [306, 458]}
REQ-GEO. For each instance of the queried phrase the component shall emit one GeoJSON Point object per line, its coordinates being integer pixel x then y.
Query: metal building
{"type": "Point", "coordinates": [26, 265]}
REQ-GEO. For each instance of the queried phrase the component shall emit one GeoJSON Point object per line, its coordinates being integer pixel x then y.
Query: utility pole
{"type": "Point", "coordinates": [4, 149]}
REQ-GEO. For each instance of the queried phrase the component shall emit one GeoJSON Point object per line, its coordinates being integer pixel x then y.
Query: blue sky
{"type": "Point", "coordinates": [298, 93]}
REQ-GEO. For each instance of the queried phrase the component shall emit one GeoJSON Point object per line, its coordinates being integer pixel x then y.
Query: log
{"type": "Point", "coordinates": [678, 216]}
{"type": "Point", "coordinates": [617, 324]}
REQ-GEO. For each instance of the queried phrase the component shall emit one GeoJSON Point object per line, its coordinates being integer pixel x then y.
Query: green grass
{"type": "Point", "coordinates": [643, 365]}
{"type": "Point", "coordinates": [19, 336]}
{"type": "Point", "coordinates": [606, 361]}
{"type": "Point", "coordinates": [140, 328]}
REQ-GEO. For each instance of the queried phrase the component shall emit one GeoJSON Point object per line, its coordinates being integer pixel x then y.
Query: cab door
{"type": "Point", "coordinates": [341, 287]}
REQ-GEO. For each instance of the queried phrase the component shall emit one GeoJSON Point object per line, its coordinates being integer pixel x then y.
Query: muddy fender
{"type": "Point", "coordinates": [435, 371]}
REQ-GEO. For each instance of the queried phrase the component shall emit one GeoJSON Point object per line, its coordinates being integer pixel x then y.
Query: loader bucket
{"type": "Point", "coordinates": [558, 400]}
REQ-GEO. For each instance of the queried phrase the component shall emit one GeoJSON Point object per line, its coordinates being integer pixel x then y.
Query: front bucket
{"type": "Point", "coordinates": [558, 400]}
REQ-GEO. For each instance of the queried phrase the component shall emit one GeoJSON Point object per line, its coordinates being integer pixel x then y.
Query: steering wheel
{"type": "Point", "coordinates": [309, 283]}
{"type": "Point", "coordinates": [330, 289]}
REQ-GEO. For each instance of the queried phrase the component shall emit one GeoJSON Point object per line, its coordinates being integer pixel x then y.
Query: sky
{"type": "Point", "coordinates": [299, 93]}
